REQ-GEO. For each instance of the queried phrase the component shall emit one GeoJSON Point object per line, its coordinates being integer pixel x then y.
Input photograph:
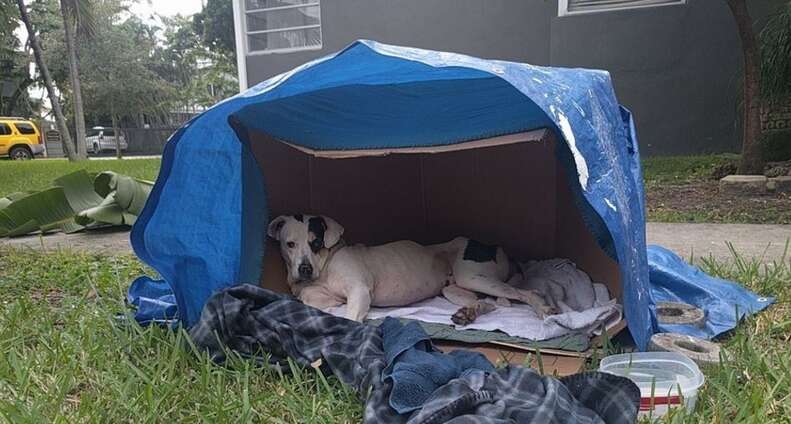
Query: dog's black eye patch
{"type": "Point", "coordinates": [316, 245]}
{"type": "Point", "coordinates": [479, 252]}
{"type": "Point", "coordinates": [317, 227]}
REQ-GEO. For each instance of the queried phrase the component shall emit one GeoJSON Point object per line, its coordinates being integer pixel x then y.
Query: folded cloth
{"type": "Point", "coordinates": [416, 368]}
{"type": "Point", "coordinates": [255, 321]}
{"type": "Point", "coordinates": [570, 287]}
{"type": "Point", "coordinates": [521, 395]}
{"type": "Point", "coordinates": [516, 320]}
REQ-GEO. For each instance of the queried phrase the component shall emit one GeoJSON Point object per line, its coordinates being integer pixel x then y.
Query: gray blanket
{"type": "Point", "coordinates": [253, 321]}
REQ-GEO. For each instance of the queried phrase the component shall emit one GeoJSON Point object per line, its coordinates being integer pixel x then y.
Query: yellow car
{"type": "Point", "coordinates": [20, 139]}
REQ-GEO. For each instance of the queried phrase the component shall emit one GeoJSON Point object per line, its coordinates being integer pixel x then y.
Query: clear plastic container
{"type": "Point", "coordinates": [665, 379]}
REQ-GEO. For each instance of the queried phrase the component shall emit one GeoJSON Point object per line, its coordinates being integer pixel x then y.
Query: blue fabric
{"type": "Point", "coordinates": [202, 235]}
{"type": "Point", "coordinates": [153, 300]}
{"type": "Point", "coordinates": [724, 302]}
{"type": "Point", "coordinates": [416, 369]}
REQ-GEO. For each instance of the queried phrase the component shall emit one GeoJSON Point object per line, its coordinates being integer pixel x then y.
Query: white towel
{"type": "Point", "coordinates": [517, 320]}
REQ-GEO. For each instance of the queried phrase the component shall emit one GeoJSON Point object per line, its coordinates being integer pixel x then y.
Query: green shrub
{"type": "Point", "coordinates": [777, 146]}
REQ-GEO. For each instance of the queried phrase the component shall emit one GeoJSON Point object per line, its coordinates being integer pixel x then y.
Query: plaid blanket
{"type": "Point", "coordinates": [259, 323]}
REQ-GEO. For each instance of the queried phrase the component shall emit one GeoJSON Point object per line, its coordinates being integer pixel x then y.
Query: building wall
{"type": "Point", "coordinates": [676, 67]}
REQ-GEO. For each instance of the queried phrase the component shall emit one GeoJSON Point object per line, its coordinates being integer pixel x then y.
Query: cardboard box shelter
{"type": "Point", "coordinates": [401, 143]}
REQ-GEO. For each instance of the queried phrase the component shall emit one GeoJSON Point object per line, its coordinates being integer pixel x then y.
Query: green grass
{"type": "Point", "coordinates": [66, 359]}
{"type": "Point", "coordinates": [682, 169]}
{"type": "Point", "coordinates": [38, 174]}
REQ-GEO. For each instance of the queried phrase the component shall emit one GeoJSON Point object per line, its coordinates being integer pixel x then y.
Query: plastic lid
{"type": "Point", "coordinates": [660, 372]}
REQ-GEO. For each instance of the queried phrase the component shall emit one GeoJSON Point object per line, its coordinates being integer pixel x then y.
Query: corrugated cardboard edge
{"type": "Point", "coordinates": [549, 361]}
{"type": "Point", "coordinates": [534, 135]}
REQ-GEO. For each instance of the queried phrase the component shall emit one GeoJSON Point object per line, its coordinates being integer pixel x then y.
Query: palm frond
{"type": "Point", "coordinates": [82, 12]}
{"type": "Point", "coordinates": [776, 56]}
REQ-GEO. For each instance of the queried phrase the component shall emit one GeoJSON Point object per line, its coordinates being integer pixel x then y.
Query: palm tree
{"type": "Point", "coordinates": [68, 145]}
{"type": "Point", "coordinates": [77, 17]}
{"type": "Point", "coordinates": [752, 161]}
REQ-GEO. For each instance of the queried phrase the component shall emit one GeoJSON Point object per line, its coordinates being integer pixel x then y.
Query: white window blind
{"type": "Point", "coordinates": [570, 7]}
{"type": "Point", "coordinates": [282, 25]}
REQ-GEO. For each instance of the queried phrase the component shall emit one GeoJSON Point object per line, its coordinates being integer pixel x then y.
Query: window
{"type": "Point", "coordinates": [575, 7]}
{"type": "Point", "coordinates": [24, 128]}
{"type": "Point", "coordinates": [108, 133]}
{"type": "Point", "coordinates": [5, 129]}
{"type": "Point", "coordinates": [282, 25]}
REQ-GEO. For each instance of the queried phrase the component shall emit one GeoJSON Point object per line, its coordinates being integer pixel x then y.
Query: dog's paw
{"type": "Point", "coordinates": [466, 315]}
{"type": "Point", "coordinates": [546, 310]}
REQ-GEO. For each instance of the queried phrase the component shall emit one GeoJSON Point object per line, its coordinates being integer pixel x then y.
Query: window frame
{"type": "Point", "coordinates": [563, 7]}
{"type": "Point", "coordinates": [243, 13]}
{"type": "Point", "coordinates": [32, 128]}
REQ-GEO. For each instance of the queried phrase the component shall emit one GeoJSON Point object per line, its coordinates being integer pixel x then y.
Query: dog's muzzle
{"type": "Point", "coordinates": [305, 271]}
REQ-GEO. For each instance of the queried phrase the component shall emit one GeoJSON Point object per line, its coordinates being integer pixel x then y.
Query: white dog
{"type": "Point", "coordinates": [324, 272]}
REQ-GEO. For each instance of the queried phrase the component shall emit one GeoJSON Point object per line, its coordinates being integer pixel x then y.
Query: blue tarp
{"type": "Point", "coordinates": [725, 303]}
{"type": "Point", "coordinates": [201, 234]}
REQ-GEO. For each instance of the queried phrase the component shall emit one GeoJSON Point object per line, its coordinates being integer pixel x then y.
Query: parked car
{"type": "Point", "coordinates": [100, 139]}
{"type": "Point", "coordinates": [20, 139]}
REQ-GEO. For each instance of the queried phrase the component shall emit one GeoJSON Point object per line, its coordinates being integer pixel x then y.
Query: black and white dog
{"type": "Point", "coordinates": [324, 272]}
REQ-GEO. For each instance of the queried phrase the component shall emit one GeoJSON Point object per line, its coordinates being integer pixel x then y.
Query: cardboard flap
{"type": "Point", "coordinates": [535, 135]}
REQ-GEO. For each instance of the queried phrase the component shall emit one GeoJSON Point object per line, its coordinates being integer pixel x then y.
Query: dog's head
{"type": "Point", "coordinates": [305, 241]}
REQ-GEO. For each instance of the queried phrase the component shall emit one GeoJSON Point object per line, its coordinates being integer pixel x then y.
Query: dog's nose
{"type": "Point", "coordinates": [305, 270]}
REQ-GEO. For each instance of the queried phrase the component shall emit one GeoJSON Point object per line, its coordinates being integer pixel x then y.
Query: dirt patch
{"type": "Point", "coordinates": [703, 202]}
{"type": "Point", "coordinates": [52, 297]}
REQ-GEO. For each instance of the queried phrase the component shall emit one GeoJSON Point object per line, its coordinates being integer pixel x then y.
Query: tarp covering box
{"type": "Point", "coordinates": [202, 228]}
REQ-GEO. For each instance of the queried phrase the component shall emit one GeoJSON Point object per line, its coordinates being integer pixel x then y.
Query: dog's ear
{"type": "Point", "coordinates": [275, 226]}
{"type": "Point", "coordinates": [333, 233]}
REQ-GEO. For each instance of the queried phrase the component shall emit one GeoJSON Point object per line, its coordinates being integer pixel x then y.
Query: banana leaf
{"type": "Point", "coordinates": [34, 212]}
{"type": "Point", "coordinates": [124, 198]}
{"type": "Point", "coordinates": [79, 190]}
{"type": "Point", "coordinates": [77, 201]}
{"type": "Point", "coordinates": [5, 201]}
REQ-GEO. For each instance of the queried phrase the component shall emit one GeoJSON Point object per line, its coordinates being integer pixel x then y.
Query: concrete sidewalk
{"type": "Point", "coordinates": [761, 241]}
{"type": "Point", "coordinates": [109, 241]}
{"type": "Point", "coordinates": [767, 242]}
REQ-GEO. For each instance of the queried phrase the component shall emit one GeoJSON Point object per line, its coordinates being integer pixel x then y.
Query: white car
{"type": "Point", "coordinates": [100, 139]}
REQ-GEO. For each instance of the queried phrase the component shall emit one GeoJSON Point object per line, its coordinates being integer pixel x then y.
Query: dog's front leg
{"type": "Point", "coordinates": [318, 297]}
{"type": "Point", "coordinates": [358, 302]}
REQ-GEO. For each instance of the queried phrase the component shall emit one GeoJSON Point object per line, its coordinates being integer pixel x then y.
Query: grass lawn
{"type": "Point", "coordinates": [66, 358]}
{"type": "Point", "coordinates": [686, 189]}
{"type": "Point", "coordinates": [38, 174]}
{"type": "Point", "coordinates": [682, 169]}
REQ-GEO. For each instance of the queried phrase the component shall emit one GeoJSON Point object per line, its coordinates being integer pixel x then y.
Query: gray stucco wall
{"type": "Point", "coordinates": [676, 67]}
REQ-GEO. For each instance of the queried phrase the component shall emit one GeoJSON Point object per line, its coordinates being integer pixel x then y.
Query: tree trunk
{"type": "Point", "coordinates": [65, 137]}
{"type": "Point", "coordinates": [117, 133]}
{"type": "Point", "coordinates": [752, 161]}
{"type": "Point", "coordinates": [74, 74]}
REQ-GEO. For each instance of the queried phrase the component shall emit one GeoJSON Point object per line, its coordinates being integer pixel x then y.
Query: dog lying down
{"type": "Point", "coordinates": [322, 271]}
